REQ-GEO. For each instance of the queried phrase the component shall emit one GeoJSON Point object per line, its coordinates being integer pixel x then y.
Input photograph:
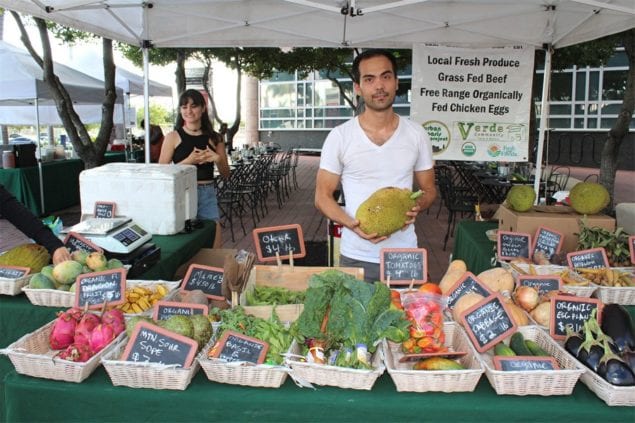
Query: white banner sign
{"type": "Point", "coordinates": [474, 103]}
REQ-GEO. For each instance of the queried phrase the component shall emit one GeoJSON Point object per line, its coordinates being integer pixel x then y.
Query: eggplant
{"type": "Point", "coordinates": [614, 370]}
{"type": "Point", "coordinates": [573, 342]}
{"type": "Point", "coordinates": [629, 358]}
{"type": "Point", "coordinates": [617, 323]}
{"type": "Point", "coordinates": [590, 351]}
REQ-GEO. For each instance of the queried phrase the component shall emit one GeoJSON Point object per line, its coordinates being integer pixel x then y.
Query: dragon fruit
{"type": "Point", "coordinates": [116, 319]}
{"type": "Point", "coordinates": [101, 336]}
{"type": "Point", "coordinates": [78, 352]}
{"type": "Point", "coordinates": [85, 326]}
{"type": "Point", "coordinates": [63, 332]}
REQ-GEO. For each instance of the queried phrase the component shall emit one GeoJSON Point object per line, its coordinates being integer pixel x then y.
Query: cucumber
{"type": "Point", "coordinates": [517, 343]}
{"type": "Point", "coordinates": [535, 348]}
{"type": "Point", "coordinates": [504, 350]}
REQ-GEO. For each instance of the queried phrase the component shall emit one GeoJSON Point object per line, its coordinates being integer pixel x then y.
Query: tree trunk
{"type": "Point", "coordinates": [615, 136]}
{"type": "Point", "coordinates": [233, 130]}
{"type": "Point", "coordinates": [180, 71]}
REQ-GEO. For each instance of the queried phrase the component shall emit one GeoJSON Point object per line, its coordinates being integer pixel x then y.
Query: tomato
{"type": "Point", "coordinates": [430, 287]}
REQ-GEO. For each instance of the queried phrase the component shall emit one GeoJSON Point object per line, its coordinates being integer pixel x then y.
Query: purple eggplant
{"type": "Point", "coordinates": [629, 358]}
{"type": "Point", "coordinates": [573, 342]}
{"type": "Point", "coordinates": [614, 370]}
{"type": "Point", "coordinates": [617, 323]}
{"type": "Point", "coordinates": [590, 351]}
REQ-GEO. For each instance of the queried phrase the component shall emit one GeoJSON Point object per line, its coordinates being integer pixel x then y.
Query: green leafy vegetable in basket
{"type": "Point", "coordinates": [272, 295]}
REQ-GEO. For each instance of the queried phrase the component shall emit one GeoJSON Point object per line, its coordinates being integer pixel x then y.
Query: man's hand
{"type": "Point", "coordinates": [370, 237]}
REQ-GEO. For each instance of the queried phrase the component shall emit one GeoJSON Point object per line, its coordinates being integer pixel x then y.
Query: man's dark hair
{"type": "Point", "coordinates": [367, 54]}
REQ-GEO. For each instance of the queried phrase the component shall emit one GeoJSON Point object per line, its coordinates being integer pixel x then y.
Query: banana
{"type": "Point", "coordinates": [135, 308]}
{"type": "Point", "coordinates": [161, 289]}
{"type": "Point", "coordinates": [140, 290]}
{"type": "Point", "coordinates": [143, 303]}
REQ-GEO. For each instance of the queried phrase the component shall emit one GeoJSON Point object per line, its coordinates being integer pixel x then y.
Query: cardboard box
{"type": "Point", "coordinates": [208, 257]}
{"type": "Point", "coordinates": [567, 223]}
{"type": "Point", "coordinates": [159, 198]}
{"type": "Point", "coordinates": [294, 279]}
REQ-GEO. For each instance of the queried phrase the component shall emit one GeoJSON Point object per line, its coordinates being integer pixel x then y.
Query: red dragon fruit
{"type": "Point", "coordinates": [101, 336]}
{"type": "Point", "coordinates": [77, 352]}
{"type": "Point", "coordinates": [85, 327]}
{"type": "Point", "coordinates": [116, 319]}
{"type": "Point", "coordinates": [63, 331]}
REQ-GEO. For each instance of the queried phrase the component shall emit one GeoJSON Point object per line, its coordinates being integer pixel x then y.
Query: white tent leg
{"type": "Point", "coordinates": [146, 101]}
{"type": "Point", "coordinates": [39, 161]}
{"type": "Point", "coordinates": [544, 120]}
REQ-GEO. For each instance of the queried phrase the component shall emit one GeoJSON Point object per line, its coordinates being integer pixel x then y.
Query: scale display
{"type": "Point", "coordinates": [118, 235]}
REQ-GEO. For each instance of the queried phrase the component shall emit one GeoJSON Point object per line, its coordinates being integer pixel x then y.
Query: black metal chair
{"type": "Point", "coordinates": [557, 180]}
{"type": "Point", "coordinates": [456, 201]}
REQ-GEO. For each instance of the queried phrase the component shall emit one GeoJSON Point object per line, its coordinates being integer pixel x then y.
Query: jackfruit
{"type": "Point", "coordinates": [521, 197]}
{"type": "Point", "coordinates": [384, 212]}
{"type": "Point", "coordinates": [33, 256]}
{"type": "Point", "coordinates": [589, 197]}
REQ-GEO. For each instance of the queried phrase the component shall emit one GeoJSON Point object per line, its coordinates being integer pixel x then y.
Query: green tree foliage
{"type": "Point", "coordinates": [159, 115]}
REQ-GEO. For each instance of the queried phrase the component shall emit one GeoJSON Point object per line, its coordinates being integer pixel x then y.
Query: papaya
{"type": "Point", "coordinates": [41, 281]}
{"type": "Point", "coordinates": [437, 363]}
{"type": "Point", "coordinates": [33, 256]}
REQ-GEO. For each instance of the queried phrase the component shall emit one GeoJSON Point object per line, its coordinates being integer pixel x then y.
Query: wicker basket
{"type": "Point", "coordinates": [617, 295]}
{"type": "Point", "coordinates": [539, 382]}
{"type": "Point", "coordinates": [32, 356]}
{"type": "Point", "coordinates": [408, 380]}
{"type": "Point", "coordinates": [260, 375]}
{"type": "Point", "coordinates": [13, 286]}
{"type": "Point", "coordinates": [341, 377]}
{"type": "Point", "coordinates": [145, 375]}
{"type": "Point", "coordinates": [57, 298]}
{"type": "Point", "coordinates": [610, 394]}
{"type": "Point", "coordinates": [552, 269]}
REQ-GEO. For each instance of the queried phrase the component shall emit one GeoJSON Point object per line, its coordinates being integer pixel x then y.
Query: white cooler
{"type": "Point", "coordinates": [160, 198]}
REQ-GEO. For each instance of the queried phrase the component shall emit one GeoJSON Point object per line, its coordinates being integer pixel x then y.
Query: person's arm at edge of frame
{"type": "Point", "coordinates": [325, 185]}
{"type": "Point", "coordinates": [22, 218]}
{"type": "Point", "coordinates": [426, 183]}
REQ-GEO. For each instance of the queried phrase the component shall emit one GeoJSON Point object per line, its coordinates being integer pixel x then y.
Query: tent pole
{"type": "Point", "coordinates": [544, 120]}
{"type": "Point", "coordinates": [39, 160]}
{"type": "Point", "coordinates": [146, 100]}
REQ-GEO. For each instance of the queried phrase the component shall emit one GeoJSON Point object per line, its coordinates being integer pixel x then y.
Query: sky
{"type": "Point", "coordinates": [84, 56]}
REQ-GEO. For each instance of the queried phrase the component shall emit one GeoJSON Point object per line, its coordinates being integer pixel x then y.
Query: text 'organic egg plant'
{"type": "Point", "coordinates": [589, 197]}
{"type": "Point", "coordinates": [384, 212]}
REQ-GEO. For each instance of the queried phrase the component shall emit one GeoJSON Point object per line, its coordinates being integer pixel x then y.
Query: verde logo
{"type": "Point", "coordinates": [468, 149]}
{"type": "Point", "coordinates": [465, 128]}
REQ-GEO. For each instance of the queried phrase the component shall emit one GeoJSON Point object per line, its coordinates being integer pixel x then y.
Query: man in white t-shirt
{"type": "Point", "coordinates": [374, 150]}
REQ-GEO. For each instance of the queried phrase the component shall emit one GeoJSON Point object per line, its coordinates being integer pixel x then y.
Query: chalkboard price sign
{"type": "Point", "coordinates": [75, 242]}
{"type": "Point", "coordinates": [93, 289]}
{"type": "Point", "coordinates": [512, 245]}
{"type": "Point", "coordinates": [285, 241]}
{"type": "Point", "coordinates": [488, 322]}
{"type": "Point", "coordinates": [105, 210]}
{"type": "Point", "coordinates": [543, 283]}
{"type": "Point", "coordinates": [548, 241]}
{"type": "Point", "coordinates": [206, 278]}
{"type": "Point", "coordinates": [570, 311]}
{"type": "Point", "coordinates": [234, 346]}
{"type": "Point", "coordinates": [467, 283]}
{"type": "Point", "coordinates": [593, 259]}
{"type": "Point", "coordinates": [525, 363]}
{"type": "Point", "coordinates": [163, 310]}
{"type": "Point", "coordinates": [151, 344]}
{"type": "Point", "coordinates": [631, 247]}
{"type": "Point", "coordinates": [403, 265]}
{"type": "Point", "coordinates": [13, 272]}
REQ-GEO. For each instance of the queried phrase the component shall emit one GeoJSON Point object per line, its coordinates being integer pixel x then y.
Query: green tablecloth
{"type": "Point", "coordinates": [472, 245]}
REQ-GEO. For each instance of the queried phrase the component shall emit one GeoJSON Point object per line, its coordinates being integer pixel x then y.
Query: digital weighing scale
{"type": "Point", "coordinates": [117, 235]}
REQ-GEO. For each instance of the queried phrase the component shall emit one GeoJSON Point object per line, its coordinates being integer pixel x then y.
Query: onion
{"type": "Point", "coordinates": [526, 297]}
{"type": "Point", "coordinates": [542, 314]}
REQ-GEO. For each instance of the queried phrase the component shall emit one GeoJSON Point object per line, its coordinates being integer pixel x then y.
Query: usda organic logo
{"type": "Point", "coordinates": [439, 135]}
{"type": "Point", "coordinates": [468, 149]}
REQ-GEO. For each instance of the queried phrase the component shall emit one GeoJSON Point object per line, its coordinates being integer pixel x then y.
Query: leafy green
{"type": "Point", "coordinates": [273, 295]}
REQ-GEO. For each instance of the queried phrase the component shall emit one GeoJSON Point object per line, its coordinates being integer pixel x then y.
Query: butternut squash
{"type": "Point", "coordinates": [463, 303]}
{"type": "Point", "coordinates": [497, 279]}
{"type": "Point", "coordinates": [456, 269]}
{"type": "Point", "coordinates": [517, 314]}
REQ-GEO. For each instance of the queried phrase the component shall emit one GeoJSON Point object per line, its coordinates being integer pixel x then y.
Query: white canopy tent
{"type": "Point", "coordinates": [341, 23]}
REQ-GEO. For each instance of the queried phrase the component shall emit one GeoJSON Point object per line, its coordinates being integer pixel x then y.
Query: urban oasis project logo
{"type": "Point", "coordinates": [439, 135]}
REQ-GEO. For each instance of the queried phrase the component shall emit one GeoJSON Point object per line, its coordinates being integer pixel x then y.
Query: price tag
{"type": "Point", "coordinates": [512, 245]}
{"type": "Point", "coordinates": [570, 311]}
{"type": "Point", "coordinates": [548, 241]}
{"type": "Point", "coordinates": [13, 272]}
{"type": "Point", "coordinates": [163, 310]}
{"type": "Point", "coordinates": [523, 363]}
{"type": "Point", "coordinates": [403, 265]}
{"type": "Point", "coordinates": [488, 322]}
{"type": "Point", "coordinates": [591, 259]}
{"type": "Point", "coordinates": [467, 283]}
{"type": "Point", "coordinates": [631, 247]}
{"type": "Point", "coordinates": [151, 344]}
{"type": "Point", "coordinates": [104, 210]}
{"type": "Point", "coordinates": [543, 283]}
{"type": "Point", "coordinates": [234, 346]}
{"type": "Point", "coordinates": [76, 242]}
{"type": "Point", "coordinates": [206, 278]}
{"type": "Point", "coordinates": [286, 241]}
{"type": "Point", "coordinates": [93, 289]}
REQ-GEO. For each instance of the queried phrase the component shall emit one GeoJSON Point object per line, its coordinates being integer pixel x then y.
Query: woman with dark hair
{"type": "Point", "coordinates": [195, 142]}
